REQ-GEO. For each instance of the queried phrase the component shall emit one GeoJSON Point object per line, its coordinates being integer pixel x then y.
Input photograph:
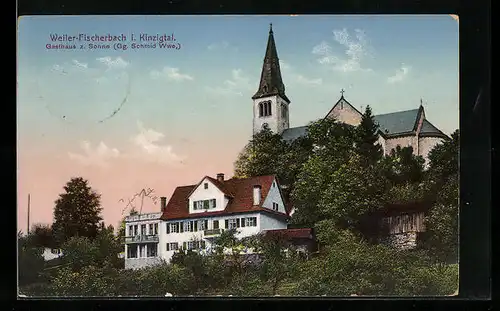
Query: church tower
{"type": "Point", "coordinates": [270, 104]}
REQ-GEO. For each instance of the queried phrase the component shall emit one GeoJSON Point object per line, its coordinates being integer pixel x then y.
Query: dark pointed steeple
{"type": "Point", "coordinates": [271, 82]}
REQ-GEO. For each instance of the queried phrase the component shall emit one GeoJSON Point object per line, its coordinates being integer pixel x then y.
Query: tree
{"type": "Point", "coordinates": [366, 139]}
{"type": "Point", "coordinates": [279, 260]}
{"type": "Point", "coordinates": [30, 260]}
{"type": "Point", "coordinates": [77, 211]}
{"type": "Point", "coordinates": [444, 161]}
{"type": "Point", "coordinates": [401, 166]}
{"type": "Point", "coordinates": [261, 155]}
{"type": "Point", "coordinates": [332, 148]}
{"type": "Point", "coordinates": [42, 236]}
{"type": "Point", "coordinates": [352, 191]}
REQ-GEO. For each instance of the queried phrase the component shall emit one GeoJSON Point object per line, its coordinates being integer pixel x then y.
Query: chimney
{"type": "Point", "coordinates": [220, 177]}
{"type": "Point", "coordinates": [163, 203]}
{"type": "Point", "coordinates": [256, 194]}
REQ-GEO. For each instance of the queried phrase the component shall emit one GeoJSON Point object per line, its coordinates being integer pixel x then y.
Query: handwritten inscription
{"type": "Point", "coordinates": [82, 41]}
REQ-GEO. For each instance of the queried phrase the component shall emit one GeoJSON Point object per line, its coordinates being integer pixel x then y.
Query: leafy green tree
{"type": "Point", "coordinates": [279, 260]}
{"type": "Point", "coordinates": [332, 143]}
{"type": "Point", "coordinates": [77, 211]}
{"type": "Point", "coordinates": [30, 261]}
{"type": "Point", "coordinates": [352, 191]}
{"type": "Point", "coordinates": [348, 265]}
{"type": "Point", "coordinates": [401, 166]}
{"type": "Point", "coordinates": [261, 155]}
{"type": "Point", "coordinates": [42, 236]}
{"type": "Point", "coordinates": [89, 281]}
{"type": "Point", "coordinates": [80, 252]}
{"type": "Point", "coordinates": [366, 139]}
{"type": "Point", "coordinates": [444, 161]}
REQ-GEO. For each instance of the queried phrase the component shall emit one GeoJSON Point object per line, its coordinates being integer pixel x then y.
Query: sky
{"type": "Point", "coordinates": [134, 118]}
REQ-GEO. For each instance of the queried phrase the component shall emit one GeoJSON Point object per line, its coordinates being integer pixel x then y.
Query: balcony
{"type": "Point", "coordinates": [141, 239]}
{"type": "Point", "coordinates": [212, 232]}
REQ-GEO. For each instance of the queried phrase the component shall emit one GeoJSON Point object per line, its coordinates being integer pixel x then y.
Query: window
{"type": "Point", "coordinates": [275, 206]}
{"type": "Point", "coordinates": [155, 229]}
{"type": "Point", "coordinates": [201, 225]}
{"type": "Point", "coordinates": [172, 246]}
{"type": "Point", "coordinates": [212, 203]}
{"type": "Point", "coordinates": [251, 222]}
{"type": "Point", "coordinates": [265, 109]}
{"type": "Point", "coordinates": [132, 251]}
{"type": "Point", "coordinates": [215, 224]}
{"type": "Point", "coordinates": [188, 226]}
{"type": "Point", "coordinates": [173, 227]}
{"type": "Point", "coordinates": [136, 229]}
{"type": "Point", "coordinates": [150, 232]}
{"type": "Point", "coordinates": [152, 250]}
{"type": "Point", "coordinates": [143, 229]}
{"type": "Point", "coordinates": [191, 245]}
{"type": "Point", "coordinates": [142, 250]}
{"type": "Point", "coordinates": [206, 204]}
{"type": "Point", "coordinates": [233, 223]}
{"type": "Point", "coordinates": [130, 230]}
{"type": "Point", "coordinates": [205, 185]}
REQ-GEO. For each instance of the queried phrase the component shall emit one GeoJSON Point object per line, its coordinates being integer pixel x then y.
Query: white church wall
{"type": "Point", "coordinates": [426, 144]}
{"type": "Point", "coordinates": [403, 141]}
{"type": "Point", "coordinates": [275, 121]}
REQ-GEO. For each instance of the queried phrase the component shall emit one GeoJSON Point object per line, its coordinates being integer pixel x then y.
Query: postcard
{"type": "Point", "coordinates": [243, 156]}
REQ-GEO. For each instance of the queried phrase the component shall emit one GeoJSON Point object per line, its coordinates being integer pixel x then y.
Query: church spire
{"type": "Point", "coordinates": [271, 82]}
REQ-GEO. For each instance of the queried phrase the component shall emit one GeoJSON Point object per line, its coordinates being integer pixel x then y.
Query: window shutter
{"type": "Point", "coordinates": [184, 245]}
{"type": "Point", "coordinates": [182, 226]}
{"type": "Point", "coordinates": [206, 224]}
{"type": "Point", "coordinates": [243, 222]}
{"type": "Point", "coordinates": [195, 226]}
{"type": "Point", "coordinates": [168, 247]}
{"type": "Point", "coordinates": [192, 226]}
{"type": "Point", "coordinates": [237, 222]}
{"type": "Point", "coordinates": [226, 224]}
{"type": "Point", "coordinates": [168, 228]}
{"type": "Point", "coordinates": [215, 203]}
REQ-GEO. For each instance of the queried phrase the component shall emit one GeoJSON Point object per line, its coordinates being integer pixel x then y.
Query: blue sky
{"type": "Point", "coordinates": [195, 103]}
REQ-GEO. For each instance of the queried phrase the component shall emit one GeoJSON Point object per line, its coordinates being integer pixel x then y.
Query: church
{"type": "Point", "coordinates": [401, 128]}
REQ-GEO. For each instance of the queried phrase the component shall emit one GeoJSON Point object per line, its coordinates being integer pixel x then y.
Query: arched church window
{"type": "Point", "coordinates": [261, 109]}
{"type": "Point", "coordinates": [269, 108]}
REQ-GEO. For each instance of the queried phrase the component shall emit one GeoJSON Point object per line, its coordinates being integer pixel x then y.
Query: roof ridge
{"type": "Point", "coordinates": [399, 111]}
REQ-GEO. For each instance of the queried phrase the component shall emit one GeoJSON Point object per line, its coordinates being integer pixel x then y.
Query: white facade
{"type": "Point", "coordinates": [277, 118]}
{"type": "Point", "coordinates": [150, 241]}
{"type": "Point", "coordinates": [202, 236]}
{"type": "Point", "coordinates": [142, 240]}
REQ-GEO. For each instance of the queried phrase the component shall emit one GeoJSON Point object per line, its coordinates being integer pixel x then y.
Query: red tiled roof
{"type": "Point", "coordinates": [299, 233]}
{"type": "Point", "coordinates": [239, 191]}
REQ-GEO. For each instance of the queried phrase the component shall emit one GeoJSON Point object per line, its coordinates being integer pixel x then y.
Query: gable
{"type": "Point", "coordinates": [344, 112]}
{"type": "Point", "coordinates": [274, 196]}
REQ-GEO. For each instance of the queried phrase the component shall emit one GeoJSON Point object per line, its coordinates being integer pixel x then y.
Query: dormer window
{"type": "Point", "coordinates": [205, 185]}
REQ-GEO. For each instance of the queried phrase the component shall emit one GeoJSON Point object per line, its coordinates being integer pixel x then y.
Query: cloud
{"type": "Point", "coordinates": [237, 85]}
{"type": "Point", "coordinates": [400, 74]}
{"type": "Point", "coordinates": [117, 63]}
{"type": "Point", "coordinates": [149, 148]}
{"type": "Point", "coordinates": [80, 65]}
{"type": "Point", "coordinates": [171, 74]}
{"type": "Point", "coordinates": [95, 157]}
{"type": "Point", "coordinates": [355, 49]}
{"type": "Point", "coordinates": [296, 77]}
